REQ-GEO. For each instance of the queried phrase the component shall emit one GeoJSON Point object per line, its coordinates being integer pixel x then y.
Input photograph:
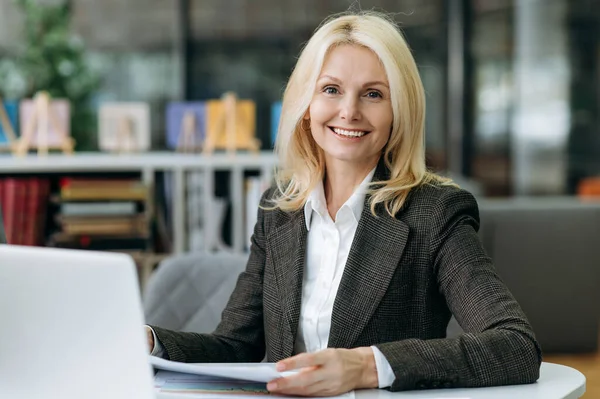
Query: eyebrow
{"type": "Point", "coordinates": [367, 84]}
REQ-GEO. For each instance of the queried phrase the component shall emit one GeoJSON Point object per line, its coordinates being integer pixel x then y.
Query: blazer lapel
{"type": "Point", "coordinates": [374, 256]}
{"type": "Point", "coordinates": [287, 243]}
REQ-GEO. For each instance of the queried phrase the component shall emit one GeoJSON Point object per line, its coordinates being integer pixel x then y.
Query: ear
{"type": "Point", "coordinates": [306, 115]}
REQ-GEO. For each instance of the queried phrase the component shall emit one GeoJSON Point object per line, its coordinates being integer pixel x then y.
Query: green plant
{"type": "Point", "coordinates": [51, 58]}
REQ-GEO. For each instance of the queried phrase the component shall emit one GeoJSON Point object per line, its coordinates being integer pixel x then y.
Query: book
{"type": "Point", "coordinates": [82, 182]}
{"type": "Point", "coordinates": [73, 189]}
{"type": "Point", "coordinates": [113, 226]}
{"type": "Point", "coordinates": [108, 208]}
{"type": "Point", "coordinates": [24, 203]}
{"type": "Point", "coordinates": [98, 243]}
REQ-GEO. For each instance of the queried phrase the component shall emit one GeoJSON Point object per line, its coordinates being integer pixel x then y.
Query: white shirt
{"type": "Point", "coordinates": [328, 246]}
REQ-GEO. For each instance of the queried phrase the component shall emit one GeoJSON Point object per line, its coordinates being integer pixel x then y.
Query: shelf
{"type": "Point", "coordinates": [147, 164]}
{"type": "Point", "coordinates": [95, 161]}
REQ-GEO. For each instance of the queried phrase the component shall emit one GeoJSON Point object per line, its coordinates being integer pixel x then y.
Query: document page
{"type": "Point", "coordinates": [257, 372]}
{"type": "Point", "coordinates": [180, 385]}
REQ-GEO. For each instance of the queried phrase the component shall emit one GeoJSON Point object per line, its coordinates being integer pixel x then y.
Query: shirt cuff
{"type": "Point", "coordinates": [385, 374]}
{"type": "Point", "coordinates": [159, 349]}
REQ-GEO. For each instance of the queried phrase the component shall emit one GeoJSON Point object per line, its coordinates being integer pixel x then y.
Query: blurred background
{"type": "Point", "coordinates": [512, 85]}
{"type": "Point", "coordinates": [513, 104]}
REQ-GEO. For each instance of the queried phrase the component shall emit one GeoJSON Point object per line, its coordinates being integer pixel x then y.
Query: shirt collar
{"type": "Point", "coordinates": [316, 200]}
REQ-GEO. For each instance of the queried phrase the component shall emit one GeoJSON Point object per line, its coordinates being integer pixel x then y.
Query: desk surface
{"type": "Point", "coordinates": [556, 382]}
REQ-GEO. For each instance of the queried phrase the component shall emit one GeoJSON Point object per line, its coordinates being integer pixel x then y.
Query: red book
{"type": "Point", "coordinates": [8, 209]}
{"type": "Point", "coordinates": [24, 206]}
{"type": "Point", "coordinates": [32, 199]}
{"type": "Point", "coordinates": [12, 210]}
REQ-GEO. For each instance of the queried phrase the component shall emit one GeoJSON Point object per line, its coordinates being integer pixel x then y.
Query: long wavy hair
{"type": "Point", "coordinates": [302, 162]}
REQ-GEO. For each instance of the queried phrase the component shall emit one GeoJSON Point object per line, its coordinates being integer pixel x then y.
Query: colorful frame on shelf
{"type": "Point", "coordinates": [186, 125]}
{"type": "Point", "coordinates": [124, 127]}
{"type": "Point", "coordinates": [9, 120]}
{"type": "Point", "coordinates": [275, 116]}
{"type": "Point", "coordinates": [231, 124]}
{"type": "Point", "coordinates": [45, 123]}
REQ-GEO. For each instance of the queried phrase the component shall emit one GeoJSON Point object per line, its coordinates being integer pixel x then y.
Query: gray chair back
{"type": "Point", "coordinates": [189, 292]}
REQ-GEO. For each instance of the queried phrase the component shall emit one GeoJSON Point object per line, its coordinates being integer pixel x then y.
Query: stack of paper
{"type": "Point", "coordinates": [257, 372]}
{"type": "Point", "coordinates": [213, 380]}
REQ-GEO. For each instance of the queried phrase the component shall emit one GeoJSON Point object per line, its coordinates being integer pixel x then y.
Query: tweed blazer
{"type": "Point", "coordinates": [404, 278]}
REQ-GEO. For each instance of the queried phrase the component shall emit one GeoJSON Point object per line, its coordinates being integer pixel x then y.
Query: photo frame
{"type": "Point", "coordinates": [9, 119]}
{"type": "Point", "coordinates": [275, 116]}
{"type": "Point", "coordinates": [45, 124]}
{"type": "Point", "coordinates": [186, 125]}
{"type": "Point", "coordinates": [124, 127]}
{"type": "Point", "coordinates": [231, 124]}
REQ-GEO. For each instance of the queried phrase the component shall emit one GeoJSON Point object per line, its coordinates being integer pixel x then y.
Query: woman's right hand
{"type": "Point", "coordinates": [150, 339]}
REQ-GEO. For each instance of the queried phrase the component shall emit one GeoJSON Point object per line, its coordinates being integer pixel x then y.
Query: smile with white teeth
{"type": "Point", "coordinates": [348, 133]}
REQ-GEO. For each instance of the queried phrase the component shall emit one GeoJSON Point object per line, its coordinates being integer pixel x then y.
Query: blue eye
{"type": "Point", "coordinates": [374, 94]}
{"type": "Point", "coordinates": [330, 90]}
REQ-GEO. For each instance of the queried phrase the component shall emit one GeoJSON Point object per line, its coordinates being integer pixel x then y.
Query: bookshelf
{"type": "Point", "coordinates": [179, 165]}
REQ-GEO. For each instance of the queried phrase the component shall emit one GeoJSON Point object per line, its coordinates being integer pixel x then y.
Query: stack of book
{"type": "Point", "coordinates": [24, 204]}
{"type": "Point", "coordinates": [102, 214]}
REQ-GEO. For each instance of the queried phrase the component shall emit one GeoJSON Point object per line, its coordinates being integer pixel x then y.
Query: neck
{"type": "Point", "coordinates": [341, 179]}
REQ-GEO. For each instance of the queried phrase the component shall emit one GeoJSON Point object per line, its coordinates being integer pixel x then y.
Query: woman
{"type": "Point", "coordinates": [360, 256]}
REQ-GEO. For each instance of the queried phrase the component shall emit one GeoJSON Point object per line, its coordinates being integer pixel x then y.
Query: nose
{"type": "Point", "coordinates": [349, 109]}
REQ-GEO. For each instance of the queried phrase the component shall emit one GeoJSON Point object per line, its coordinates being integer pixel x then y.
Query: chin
{"type": "Point", "coordinates": [345, 157]}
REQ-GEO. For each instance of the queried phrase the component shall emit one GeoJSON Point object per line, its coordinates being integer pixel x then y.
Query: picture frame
{"type": "Point", "coordinates": [185, 125]}
{"type": "Point", "coordinates": [45, 124]}
{"type": "Point", "coordinates": [231, 124]}
{"type": "Point", "coordinates": [9, 124]}
{"type": "Point", "coordinates": [275, 116]}
{"type": "Point", "coordinates": [124, 127]}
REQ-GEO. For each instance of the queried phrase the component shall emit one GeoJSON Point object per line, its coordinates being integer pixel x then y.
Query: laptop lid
{"type": "Point", "coordinates": [71, 326]}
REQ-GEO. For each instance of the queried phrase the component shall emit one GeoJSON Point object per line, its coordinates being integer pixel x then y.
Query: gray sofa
{"type": "Point", "coordinates": [546, 251]}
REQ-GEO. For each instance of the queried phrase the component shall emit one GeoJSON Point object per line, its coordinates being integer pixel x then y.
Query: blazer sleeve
{"type": "Point", "coordinates": [498, 346]}
{"type": "Point", "coordinates": [239, 337]}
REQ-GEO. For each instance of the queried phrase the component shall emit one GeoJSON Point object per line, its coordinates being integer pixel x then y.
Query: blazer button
{"type": "Point", "coordinates": [422, 385]}
{"type": "Point", "coordinates": [435, 384]}
{"type": "Point", "coordinates": [447, 384]}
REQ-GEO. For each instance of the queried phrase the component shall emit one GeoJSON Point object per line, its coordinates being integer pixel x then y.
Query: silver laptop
{"type": "Point", "coordinates": [71, 326]}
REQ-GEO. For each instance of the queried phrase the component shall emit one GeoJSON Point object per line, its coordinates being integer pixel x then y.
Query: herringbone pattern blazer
{"type": "Point", "coordinates": [404, 277]}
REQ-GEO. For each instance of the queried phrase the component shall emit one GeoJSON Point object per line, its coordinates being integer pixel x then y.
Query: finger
{"type": "Point", "coordinates": [150, 338]}
{"type": "Point", "coordinates": [306, 377]}
{"type": "Point", "coordinates": [302, 360]}
{"type": "Point", "coordinates": [321, 388]}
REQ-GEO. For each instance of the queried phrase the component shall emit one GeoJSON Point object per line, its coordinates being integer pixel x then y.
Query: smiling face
{"type": "Point", "coordinates": [351, 113]}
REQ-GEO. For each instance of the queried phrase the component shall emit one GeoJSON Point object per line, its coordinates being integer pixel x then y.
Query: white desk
{"type": "Point", "coordinates": [556, 382]}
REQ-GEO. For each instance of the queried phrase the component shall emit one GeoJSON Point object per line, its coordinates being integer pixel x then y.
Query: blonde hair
{"type": "Point", "coordinates": [302, 162]}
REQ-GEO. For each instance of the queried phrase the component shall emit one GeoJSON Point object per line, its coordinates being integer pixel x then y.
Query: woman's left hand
{"type": "Point", "coordinates": [328, 372]}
